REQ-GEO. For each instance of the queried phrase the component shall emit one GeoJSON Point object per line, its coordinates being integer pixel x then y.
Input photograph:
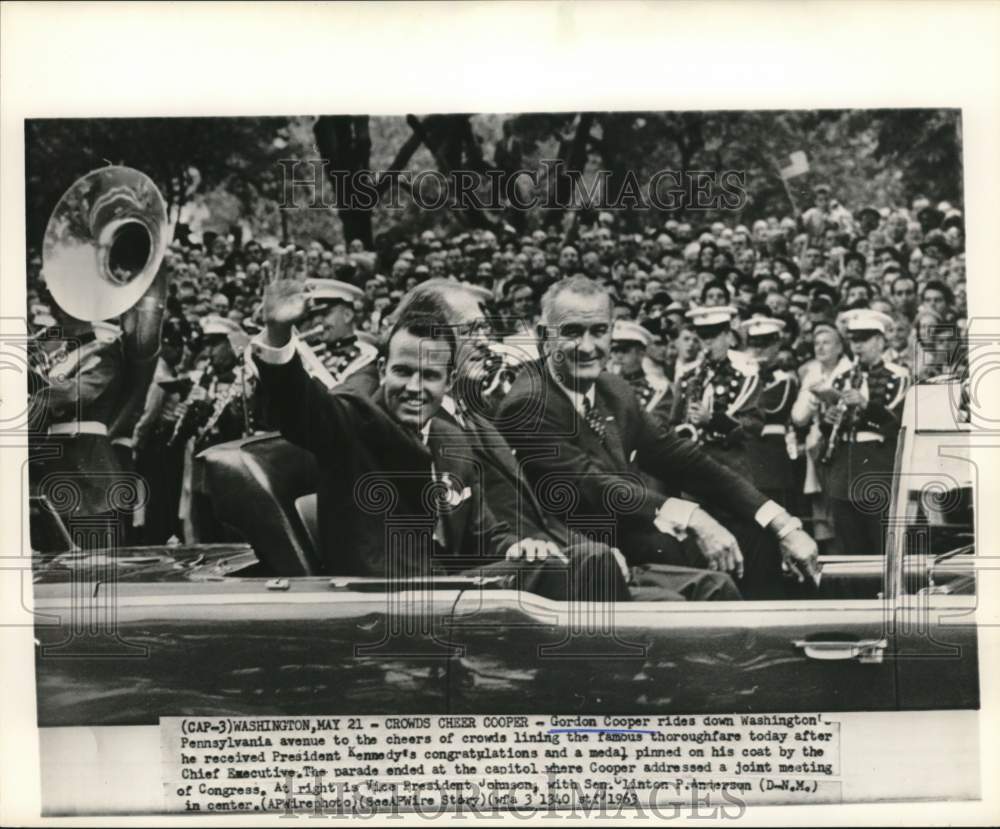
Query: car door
{"type": "Point", "coordinates": [238, 647]}
{"type": "Point", "coordinates": [521, 653]}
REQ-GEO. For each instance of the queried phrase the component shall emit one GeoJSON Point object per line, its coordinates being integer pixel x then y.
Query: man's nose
{"type": "Point", "coordinates": [413, 384]}
{"type": "Point", "coordinates": [587, 343]}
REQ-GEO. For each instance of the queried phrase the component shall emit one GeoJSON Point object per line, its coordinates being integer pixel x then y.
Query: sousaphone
{"type": "Point", "coordinates": [104, 243]}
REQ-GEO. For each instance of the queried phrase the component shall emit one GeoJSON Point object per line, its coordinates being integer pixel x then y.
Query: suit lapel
{"type": "Point", "coordinates": [613, 444]}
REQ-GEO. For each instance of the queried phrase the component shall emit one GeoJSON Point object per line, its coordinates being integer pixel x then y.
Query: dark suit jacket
{"type": "Point", "coordinates": [377, 502]}
{"type": "Point", "coordinates": [592, 574]}
{"type": "Point", "coordinates": [510, 496]}
{"type": "Point", "coordinates": [565, 459]}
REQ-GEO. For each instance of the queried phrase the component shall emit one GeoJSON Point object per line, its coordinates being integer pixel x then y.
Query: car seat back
{"type": "Point", "coordinates": [305, 506]}
{"type": "Point", "coordinates": [252, 486]}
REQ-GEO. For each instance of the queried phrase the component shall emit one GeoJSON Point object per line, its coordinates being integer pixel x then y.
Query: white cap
{"type": "Point", "coordinates": [332, 290]}
{"type": "Point", "coordinates": [628, 331]}
{"type": "Point", "coordinates": [865, 319]}
{"type": "Point", "coordinates": [706, 316]}
{"type": "Point", "coordinates": [761, 326]}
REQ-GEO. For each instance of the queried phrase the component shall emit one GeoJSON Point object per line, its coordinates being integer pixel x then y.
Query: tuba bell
{"type": "Point", "coordinates": [104, 243]}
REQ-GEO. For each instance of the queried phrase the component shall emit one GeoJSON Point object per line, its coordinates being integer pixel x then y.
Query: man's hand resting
{"type": "Point", "coordinates": [800, 555]}
{"type": "Point", "coordinates": [717, 544]}
{"type": "Point", "coordinates": [533, 549]}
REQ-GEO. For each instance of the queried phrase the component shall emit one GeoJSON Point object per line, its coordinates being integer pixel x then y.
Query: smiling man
{"type": "Point", "coordinates": [385, 457]}
{"type": "Point", "coordinates": [583, 441]}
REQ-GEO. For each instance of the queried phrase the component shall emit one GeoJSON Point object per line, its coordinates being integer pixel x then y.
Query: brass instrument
{"type": "Point", "coordinates": [844, 413]}
{"type": "Point", "coordinates": [104, 243]}
{"type": "Point", "coordinates": [102, 254]}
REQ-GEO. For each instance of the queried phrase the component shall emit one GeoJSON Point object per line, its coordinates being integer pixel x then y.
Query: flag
{"type": "Point", "coordinates": [799, 165]}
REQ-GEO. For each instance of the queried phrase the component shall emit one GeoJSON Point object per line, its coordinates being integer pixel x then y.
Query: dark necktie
{"type": "Point", "coordinates": [594, 419]}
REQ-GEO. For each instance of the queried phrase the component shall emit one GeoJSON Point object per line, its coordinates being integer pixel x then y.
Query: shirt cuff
{"type": "Point", "coordinates": [674, 517]}
{"type": "Point", "coordinates": [767, 513]}
{"type": "Point", "coordinates": [270, 354]}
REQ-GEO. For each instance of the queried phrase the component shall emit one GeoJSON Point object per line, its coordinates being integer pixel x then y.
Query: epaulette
{"type": "Point", "coordinates": [897, 369]}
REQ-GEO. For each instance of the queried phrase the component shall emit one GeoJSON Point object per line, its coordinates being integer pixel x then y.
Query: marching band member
{"type": "Point", "coordinates": [716, 402]}
{"type": "Point", "coordinates": [770, 455]}
{"type": "Point", "coordinates": [77, 390]}
{"type": "Point", "coordinates": [218, 407]}
{"type": "Point", "coordinates": [160, 463]}
{"type": "Point", "coordinates": [862, 419]}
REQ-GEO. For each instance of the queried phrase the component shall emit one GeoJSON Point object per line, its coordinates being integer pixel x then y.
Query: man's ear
{"type": "Point", "coordinates": [542, 335]}
{"type": "Point", "coordinates": [381, 369]}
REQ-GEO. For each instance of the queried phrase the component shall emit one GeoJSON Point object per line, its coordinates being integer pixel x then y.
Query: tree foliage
{"type": "Point", "coordinates": [880, 157]}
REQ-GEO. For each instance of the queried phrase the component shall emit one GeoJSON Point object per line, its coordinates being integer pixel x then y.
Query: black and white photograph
{"type": "Point", "coordinates": [565, 427]}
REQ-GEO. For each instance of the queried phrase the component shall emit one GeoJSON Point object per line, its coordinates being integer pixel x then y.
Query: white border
{"type": "Point", "coordinates": [62, 59]}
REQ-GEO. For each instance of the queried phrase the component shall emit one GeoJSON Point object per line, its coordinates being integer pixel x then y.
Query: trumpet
{"type": "Point", "coordinates": [843, 414]}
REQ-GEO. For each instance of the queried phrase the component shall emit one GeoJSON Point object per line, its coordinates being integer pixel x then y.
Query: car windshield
{"type": "Point", "coordinates": [939, 505]}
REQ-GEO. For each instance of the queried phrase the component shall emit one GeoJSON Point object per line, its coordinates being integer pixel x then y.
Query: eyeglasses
{"type": "Point", "coordinates": [477, 328]}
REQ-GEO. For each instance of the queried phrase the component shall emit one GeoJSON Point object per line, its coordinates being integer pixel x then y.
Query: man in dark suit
{"type": "Point", "coordinates": [395, 497]}
{"type": "Point", "coordinates": [579, 433]}
{"type": "Point", "coordinates": [508, 493]}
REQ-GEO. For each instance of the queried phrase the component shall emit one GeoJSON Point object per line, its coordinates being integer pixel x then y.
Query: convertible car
{"type": "Point", "coordinates": [210, 629]}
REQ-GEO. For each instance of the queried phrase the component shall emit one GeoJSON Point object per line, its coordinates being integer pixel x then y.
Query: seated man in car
{"type": "Point", "coordinates": [471, 404]}
{"type": "Point", "coordinates": [393, 500]}
{"type": "Point", "coordinates": [575, 425]}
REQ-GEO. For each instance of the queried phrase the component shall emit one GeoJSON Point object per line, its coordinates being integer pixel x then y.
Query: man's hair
{"type": "Point", "coordinates": [855, 282]}
{"type": "Point", "coordinates": [516, 285]}
{"type": "Point", "coordinates": [432, 326]}
{"type": "Point", "coordinates": [903, 277]}
{"type": "Point", "coordinates": [429, 299]}
{"type": "Point", "coordinates": [580, 285]}
{"type": "Point", "coordinates": [937, 285]}
{"type": "Point", "coordinates": [715, 283]}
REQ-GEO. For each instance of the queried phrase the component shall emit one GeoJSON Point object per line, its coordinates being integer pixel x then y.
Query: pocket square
{"type": "Point", "coordinates": [455, 497]}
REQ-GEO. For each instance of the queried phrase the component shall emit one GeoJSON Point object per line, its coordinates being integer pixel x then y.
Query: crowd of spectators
{"type": "Point", "coordinates": [806, 270]}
